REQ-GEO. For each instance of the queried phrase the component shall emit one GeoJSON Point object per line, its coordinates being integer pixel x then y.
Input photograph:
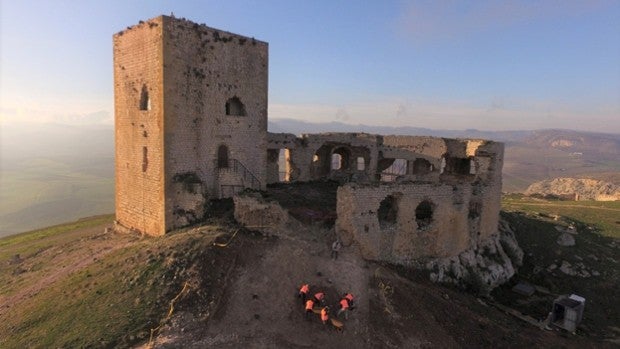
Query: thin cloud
{"type": "Point", "coordinates": [423, 21]}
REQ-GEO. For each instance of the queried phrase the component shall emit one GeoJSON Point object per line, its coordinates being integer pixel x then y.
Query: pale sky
{"type": "Point", "coordinates": [489, 65]}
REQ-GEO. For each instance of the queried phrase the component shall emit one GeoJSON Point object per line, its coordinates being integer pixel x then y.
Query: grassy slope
{"type": "Point", "coordinates": [115, 300]}
{"type": "Point", "coordinates": [596, 251]}
{"type": "Point", "coordinates": [604, 216]}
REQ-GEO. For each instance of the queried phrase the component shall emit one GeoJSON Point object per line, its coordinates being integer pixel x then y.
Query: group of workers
{"type": "Point", "coordinates": [318, 299]}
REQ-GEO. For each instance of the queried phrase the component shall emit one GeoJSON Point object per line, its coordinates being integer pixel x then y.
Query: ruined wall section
{"type": "Point", "coordinates": [275, 143]}
{"type": "Point", "coordinates": [204, 70]}
{"type": "Point", "coordinates": [403, 238]}
{"type": "Point", "coordinates": [464, 163]}
{"type": "Point", "coordinates": [487, 186]}
{"type": "Point", "coordinates": [138, 116]}
{"type": "Point", "coordinates": [412, 148]}
{"type": "Point", "coordinates": [351, 145]}
{"type": "Point", "coordinates": [310, 154]}
{"type": "Point", "coordinates": [429, 147]}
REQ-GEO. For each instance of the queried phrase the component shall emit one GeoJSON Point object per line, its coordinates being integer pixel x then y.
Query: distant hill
{"type": "Point", "coordinates": [576, 189]}
{"type": "Point", "coordinates": [53, 173]}
{"type": "Point", "coordinates": [600, 145]}
{"type": "Point", "coordinates": [299, 127]}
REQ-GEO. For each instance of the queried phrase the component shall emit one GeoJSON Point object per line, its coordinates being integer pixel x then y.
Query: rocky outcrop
{"type": "Point", "coordinates": [483, 267]}
{"type": "Point", "coordinates": [566, 239]}
{"type": "Point", "coordinates": [576, 189]}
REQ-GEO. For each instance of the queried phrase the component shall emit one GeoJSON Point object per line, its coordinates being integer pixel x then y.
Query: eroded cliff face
{"type": "Point", "coordinates": [576, 189]}
{"type": "Point", "coordinates": [490, 263]}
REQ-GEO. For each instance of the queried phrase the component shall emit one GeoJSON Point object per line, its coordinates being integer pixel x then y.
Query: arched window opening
{"type": "Point", "coordinates": [222, 156]}
{"type": "Point", "coordinates": [388, 211]}
{"type": "Point", "coordinates": [397, 168]}
{"type": "Point", "coordinates": [234, 107]}
{"type": "Point", "coordinates": [284, 165]}
{"type": "Point", "coordinates": [336, 162]}
{"type": "Point", "coordinates": [424, 214]}
{"type": "Point", "coordinates": [315, 158]}
{"type": "Point", "coordinates": [340, 159]}
{"type": "Point", "coordinates": [361, 163]}
{"type": "Point", "coordinates": [422, 166]}
{"type": "Point", "coordinates": [145, 101]}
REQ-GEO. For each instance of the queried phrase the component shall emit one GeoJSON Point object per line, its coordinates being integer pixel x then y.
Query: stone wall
{"type": "Point", "coordinates": [451, 210]}
{"type": "Point", "coordinates": [206, 69]}
{"type": "Point", "coordinates": [206, 113]}
{"type": "Point", "coordinates": [366, 157]}
{"type": "Point", "coordinates": [398, 233]}
{"type": "Point", "coordinates": [139, 133]}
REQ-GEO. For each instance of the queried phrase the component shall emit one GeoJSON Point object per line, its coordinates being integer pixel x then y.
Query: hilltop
{"type": "Point", "coordinates": [107, 289]}
{"type": "Point", "coordinates": [576, 188]}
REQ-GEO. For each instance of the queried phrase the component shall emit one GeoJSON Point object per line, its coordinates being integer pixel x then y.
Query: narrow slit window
{"type": "Point", "coordinates": [145, 159]}
{"type": "Point", "coordinates": [222, 156]}
{"type": "Point", "coordinates": [145, 101]}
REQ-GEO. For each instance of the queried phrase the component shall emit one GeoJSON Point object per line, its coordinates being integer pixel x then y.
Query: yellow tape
{"type": "Point", "coordinates": [227, 242]}
{"type": "Point", "coordinates": [170, 311]}
{"type": "Point", "coordinates": [236, 231]}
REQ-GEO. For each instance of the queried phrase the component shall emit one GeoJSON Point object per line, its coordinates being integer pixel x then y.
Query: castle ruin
{"type": "Point", "coordinates": [191, 126]}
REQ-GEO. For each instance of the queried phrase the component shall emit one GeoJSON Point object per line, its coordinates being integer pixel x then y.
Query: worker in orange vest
{"type": "Point", "coordinates": [303, 293]}
{"type": "Point", "coordinates": [344, 307]}
{"type": "Point", "coordinates": [349, 297]}
{"type": "Point", "coordinates": [319, 297]}
{"type": "Point", "coordinates": [325, 315]}
{"type": "Point", "coordinates": [309, 307]}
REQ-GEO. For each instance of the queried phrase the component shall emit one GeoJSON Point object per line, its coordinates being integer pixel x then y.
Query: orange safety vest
{"type": "Point", "coordinates": [344, 303]}
{"type": "Point", "coordinates": [309, 305]}
{"type": "Point", "coordinates": [319, 296]}
{"type": "Point", "coordinates": [349, 297]}
{"type": "Point", "coordinates": [304, 288]}
{"type": "Point", "coordinates": [324, 316]}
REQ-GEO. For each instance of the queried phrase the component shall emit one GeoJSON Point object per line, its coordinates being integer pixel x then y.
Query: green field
{"type": "Point", "coordinates": [39, 192]}
{"type": "Point", "coordinates": [603, 216]}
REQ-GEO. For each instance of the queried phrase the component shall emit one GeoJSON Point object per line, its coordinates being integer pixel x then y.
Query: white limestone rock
{"type": "Point", "coordinates": [482, 268]}
{"type": "Point", "coordinates": [566, 239]}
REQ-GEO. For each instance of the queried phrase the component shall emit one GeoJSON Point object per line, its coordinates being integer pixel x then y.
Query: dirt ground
{"type": "Point", "coordinates": [258, 307]}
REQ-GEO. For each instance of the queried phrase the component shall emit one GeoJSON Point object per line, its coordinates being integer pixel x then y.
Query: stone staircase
{"type": "Point", "coordinates": [234, 178]}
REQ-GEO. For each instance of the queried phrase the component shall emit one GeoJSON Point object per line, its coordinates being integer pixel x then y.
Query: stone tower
{"type": "Point", "coordinates": [190, 121]}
